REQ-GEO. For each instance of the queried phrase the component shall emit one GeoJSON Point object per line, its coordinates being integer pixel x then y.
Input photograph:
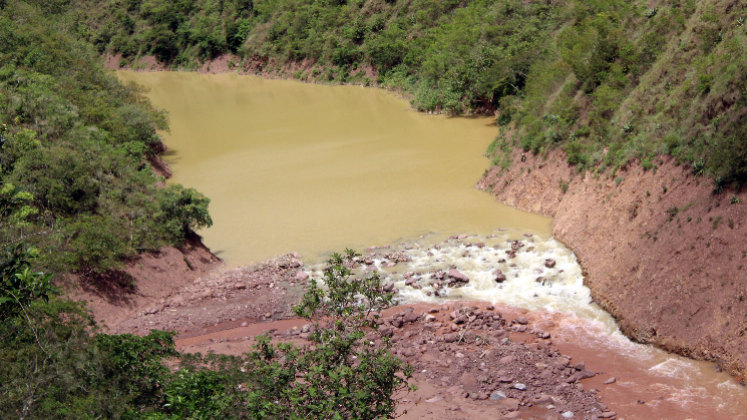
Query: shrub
{"type": "Point", "coordinates": [20, 286]}
{"type": "Point", "coordinates": [96, 244]}
{"type": "Point", "coordinates": [698, 167]}
{"type": "Point", "coordinates": [183, 211]}
{"type": "Point", "coordinates": [51, 351]}
{"type": "Point", "coordinates": [344, 374]}
{"type": "Point", "coordinates": [504, 119]}
{"type": "Point", "coordinates": [576, 155]}
{"type": "Point", "coordinates": [718, 184]}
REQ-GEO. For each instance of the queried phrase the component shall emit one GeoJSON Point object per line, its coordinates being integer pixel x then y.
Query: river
{"type": "Point", "coordinates": [307, 168]}
{"type": "Point", "coordinates": [311, 168]}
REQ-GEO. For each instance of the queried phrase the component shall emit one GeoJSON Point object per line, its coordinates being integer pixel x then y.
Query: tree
{"type": "Point", "coordinates": [55, 365]}
{"type": "Point", "coordinates": [343, 376]}
{"type": "Point", "coordinates": [183, 211]}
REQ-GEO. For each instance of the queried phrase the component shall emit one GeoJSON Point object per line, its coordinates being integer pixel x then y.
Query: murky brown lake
{"type": "Point", "coordinates": [311, 168]}
{"type": "Point", "coordinates": [291, 166]}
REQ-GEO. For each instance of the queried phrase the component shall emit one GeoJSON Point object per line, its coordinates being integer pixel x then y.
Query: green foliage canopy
{"type": "Point", "coordinates": [74, 150]}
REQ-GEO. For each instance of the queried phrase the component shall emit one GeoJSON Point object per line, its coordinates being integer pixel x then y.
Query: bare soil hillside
{"type": "Point", "coordinates": [663, 253]}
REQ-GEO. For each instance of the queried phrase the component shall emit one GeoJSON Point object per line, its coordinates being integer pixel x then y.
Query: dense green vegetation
{"type": "Point", "coordinates": [606, 80]}
{"type": "Point", "coordinates": [54, 364]}
{"type": "Point", "coordinates": [74, 150]}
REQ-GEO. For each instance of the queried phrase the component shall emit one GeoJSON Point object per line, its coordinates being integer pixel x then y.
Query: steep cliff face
{"type": "Point", "coordinates": [661, 252]}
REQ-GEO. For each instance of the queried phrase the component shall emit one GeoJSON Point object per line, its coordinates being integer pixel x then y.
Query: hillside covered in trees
{"type": "Point", "coordinates": [607, 80]}
{"type": "Point", "coordinates": [76, 182]}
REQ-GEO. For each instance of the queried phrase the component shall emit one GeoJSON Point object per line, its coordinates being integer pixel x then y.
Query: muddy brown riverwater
{"type": "Point", "coordinates": [291, 166]}
{"type": "Point", "coordinates": [309, 168]}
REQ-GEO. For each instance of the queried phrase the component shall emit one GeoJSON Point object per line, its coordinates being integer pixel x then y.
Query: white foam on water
{"type": "Point", "coordinates": [673, 368]}
{"type": "Point", "coordinates": [531, 285]}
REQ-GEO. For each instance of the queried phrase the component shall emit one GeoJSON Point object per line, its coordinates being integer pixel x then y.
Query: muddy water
{"type": "Point", "coordinates": [310, 168]}
{"type": "Point", "coordinates": [670, 386]}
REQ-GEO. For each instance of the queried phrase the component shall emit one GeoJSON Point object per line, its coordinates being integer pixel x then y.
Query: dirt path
{"type": "Point", "coordinates": [223, 299]}
{"type": "Point", "coordinates": [147, 279]}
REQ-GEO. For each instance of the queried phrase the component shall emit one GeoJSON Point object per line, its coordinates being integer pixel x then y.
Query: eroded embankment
{"type": "Point", "coordinates": [146, 279]}
{"type": "Point", "coordinates": [662, 253]}
{"type": "Point", "coordinates": [229, 63]}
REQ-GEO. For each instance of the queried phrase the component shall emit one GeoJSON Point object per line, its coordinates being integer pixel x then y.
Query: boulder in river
{"type": "Point", "coordinates": [499, 276]}
{"type": "Point", "coordinates": [458, 276]}
{"type": "Point", "coordinates": [584, 374]}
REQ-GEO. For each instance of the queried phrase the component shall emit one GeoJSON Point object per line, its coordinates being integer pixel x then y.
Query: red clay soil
{"type": "Point", "coordinates": [480, 368]}
{"type": "Point", "coordinates": [662, 253]}
{"type": "Point", "coordinates": [225, 309]}
{"type": "Point", "coordinates": [145, 280]}
{"type": "Point", "coordinates": [228, 63]}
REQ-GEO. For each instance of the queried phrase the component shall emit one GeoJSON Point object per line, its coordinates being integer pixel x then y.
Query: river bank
{"type": "Point", "coordinates": [660, 251]}
{"type": "Point", "coordinates": [228, 63]}
{"type": "Point", "coordinates": [226, 308]}
{"type": "Point", "coordinates": [458, 370]}
{"type": "Point", "coordinates": [304, 71]}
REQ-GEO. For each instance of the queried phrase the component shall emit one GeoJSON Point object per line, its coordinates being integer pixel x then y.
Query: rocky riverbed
{"type": "Point", "coordinates": [470, 360]}
{"type": "Point", "coordinates": [474, 359]}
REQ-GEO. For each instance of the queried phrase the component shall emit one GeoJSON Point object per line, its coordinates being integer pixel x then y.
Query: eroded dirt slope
{"type": "Point", "coordinates": [661, 252]}
{"type": "Point", "coordinates": [145, 280]}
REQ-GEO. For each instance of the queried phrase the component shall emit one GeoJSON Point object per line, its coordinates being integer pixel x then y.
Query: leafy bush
{"type": "Point", "coordinates": [53, 367]}
{"type": "Point", "coordinates": [19, 286]}
{"type": "Point", "coordinates": [182, 211]}
{"type": "Point", "coordinates": [73, 174]}
{"type": "Point", "coordinates": [575, 154]}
